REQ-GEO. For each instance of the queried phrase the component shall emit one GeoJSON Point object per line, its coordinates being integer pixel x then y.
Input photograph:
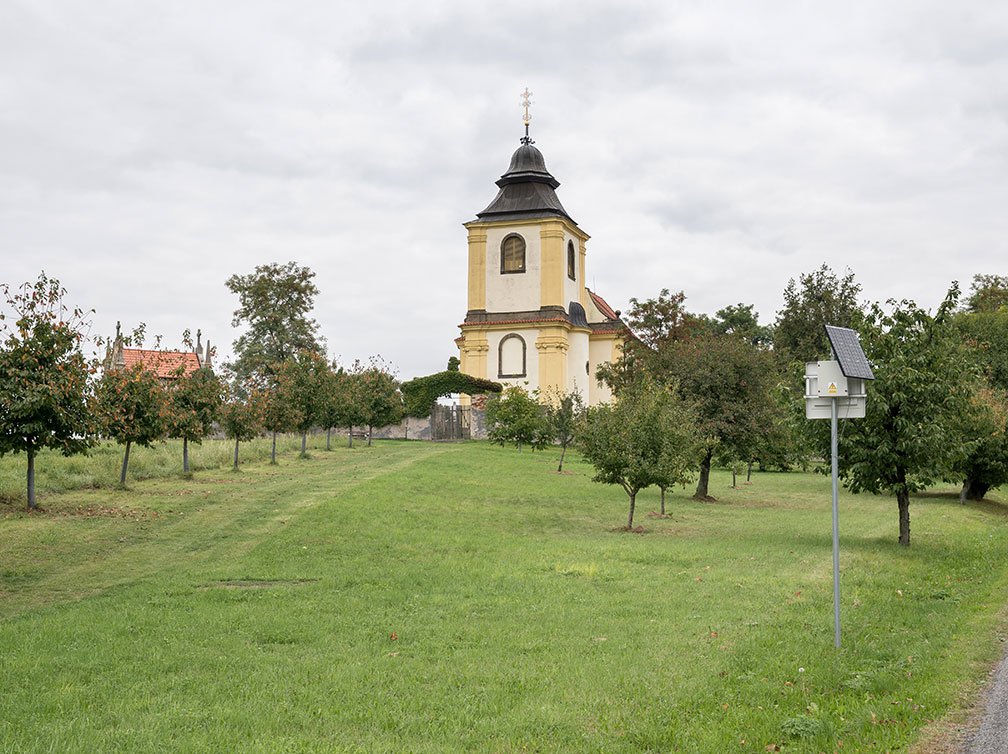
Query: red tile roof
{"type": "Point", "coordinates": [165, 364]}
{"type": "Point", "coordinates": [607, 311]}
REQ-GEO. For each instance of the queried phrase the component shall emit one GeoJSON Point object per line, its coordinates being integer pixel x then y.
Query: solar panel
{"type": "Point", "coordinates": [847, 350]}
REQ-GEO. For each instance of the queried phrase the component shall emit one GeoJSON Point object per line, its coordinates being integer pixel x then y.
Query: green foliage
{"type": "Point", "coordinates": [306, 379]}
{"type": "Point", "coordinates": [131, 406]}
{"type": "Point", "coordinates": [565, 417]}
{"type": "Point", "coordinates": [43, 376]}
{"type": "Point", "coordinates": [517, 417]}
{"type": "Point", "coordinates": [742, 321]}
{"type": "Point", "coordinates": [986, 332]}
{"type": "Point", "coordinates": [280, 410]}
{"type": "Point", "coordinates": [730, 383]}
{"type": "Point", "coordinates": [988, 293]}
{"type": "Point", "coordinates": [420, 393]}
{"type": "Point", "coordinates": [985, 466]}
{"type": "Point", "coordinates": [453, 364]}
{"type": "Point", "coordinates": [241, 415]}
{"type": "Point", "coordinates": [275, 301]}
{"type": "Point", "coordinates": [646, 437]}
{"type": "Point", "coordinates": [194, 402]}
{"type": "Point", "coordinates": [659, 321]}
{"type": "Point", "coordinates": [817, 299]}
{"type": "Point", "coordinates": [380, 401]}
{"type": "Point", "coordinates": [911, 435]}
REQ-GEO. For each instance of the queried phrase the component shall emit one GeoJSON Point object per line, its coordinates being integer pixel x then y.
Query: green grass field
{"type": "Point", "coordinates": [420, 597]}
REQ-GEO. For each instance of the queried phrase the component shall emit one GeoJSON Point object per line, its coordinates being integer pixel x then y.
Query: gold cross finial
{"type": "Point", "coordinates": [526, 98]}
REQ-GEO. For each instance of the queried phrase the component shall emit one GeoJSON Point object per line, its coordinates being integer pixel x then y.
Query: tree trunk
{"type": "Point", "coordinates": [633, 502]}
{"type": "Point", "coordinates": [185, 455]}
{"type": "Point", "coordinates": [328, 438]}
{"type": "Point", "coordinates": [748, 474]}
{"type": "Point", "coordinates": [369, 435]}
{"type": "Point", "coordinates": [273, 453]}
{"type": "Point", "coordinates": [236, 455]}
{"type": "Point", "coordinates": [701, 488]}
{"type": "Point", "coordinates": [563, 452]}
{"type": "Point", "coordinates": [350, 437]}
{"type": "Point", "coordinates": [903, 501]}
{"type": "Point", "coordinates": [662, 488]}
{"type": "Point", "coordinates": [122, 476]}
{"type": "Point", "coordinates": [304, 444]}
{"type": "Point", "coordinates": [973, 490]}
{"type": "Point", "coordinates": [734, 478]}
{"type": "Point", "coordinates": [32, 505]}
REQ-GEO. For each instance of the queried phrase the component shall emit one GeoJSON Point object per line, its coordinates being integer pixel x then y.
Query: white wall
{"type": "Point", "coordinates": [531, 358]}
{"type": "Point", "coordinates": [577, 355]}
{"type": "Point", "coordinates": [515, 292]}
{"type": "Point", "coordinates": [600, 352]}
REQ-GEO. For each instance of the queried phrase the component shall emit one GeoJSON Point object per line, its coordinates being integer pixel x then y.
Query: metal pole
{"type": "Point", "coordinates": [836, 529]}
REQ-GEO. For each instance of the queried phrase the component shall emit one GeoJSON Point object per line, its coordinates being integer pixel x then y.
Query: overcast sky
{"type": "Point", "coordinates": [150, 150]}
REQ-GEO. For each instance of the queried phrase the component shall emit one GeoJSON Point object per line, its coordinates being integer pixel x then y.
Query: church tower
{"type": "Point", "coordinates": [531, 321]}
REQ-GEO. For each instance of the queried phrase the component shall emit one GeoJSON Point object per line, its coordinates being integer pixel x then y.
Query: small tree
{"type": "Point", "coordinates": [647, 437]}
{"type": "Point", "coordinates": [924, 381]}
{"type": "Point", "coordinates": [352, 409]}
{"type": "Point", "coordinates": [680, 443]}
{"type": "Point", "coordinates": [306, 376]}
{"type": "Point", "coordinates": [516, 417]}
{"type": "Point", "coordinates": [43, 376]}
{"type": "Point", "coordinates": [565, 414]}
{"type": "Point", "coordinates": [380, 400]}
{"type": "Point", "coordinates": [132, 407]}
{"type": "Point", "coordinates": [241, 417]}
{"type": "Point", "coordinates": [279, 410]}
{"type": "Point", "coordinates": [194, 400]}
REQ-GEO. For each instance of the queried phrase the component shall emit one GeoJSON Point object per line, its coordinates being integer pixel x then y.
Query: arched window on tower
{"type": "Point", "coordinates": [512, 254]}
{"type": "Point", "coordinates": [511, 356]}
{"type": "Point", "coordinates": [571, 259]}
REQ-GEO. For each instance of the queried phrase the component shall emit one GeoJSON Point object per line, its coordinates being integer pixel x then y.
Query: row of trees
{"type": "Point", "coordinates": [53, 396]}
{"type": "Point", "coordinates": [693, 390]}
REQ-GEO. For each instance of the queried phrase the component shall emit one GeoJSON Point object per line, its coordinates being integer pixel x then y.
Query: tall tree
{"type": "Point", "coordinates": [194, 402]}
{"type": "Point", "coordinates": [924, 382]}
{"type": "Point", "coordinates": [742, 321]}
{"type": "Point", "coordinates": [275, 303]}
{"type": "Point", "coordinates": [818, 298]}
{"type": "Point", "coordinates": [730, 382]}
{"type": "Point", "coordinates": [132, 407]}
{"type": "Point", "coordinates": [658, 321]}
{"type": "Point", "coordinates": [988, 293]}
{"type": "Point", "coordinates": [984, 328]}
{"type": "Point", "coordinates": [43, 376]}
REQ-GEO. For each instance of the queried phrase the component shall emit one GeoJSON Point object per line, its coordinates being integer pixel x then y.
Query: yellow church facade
{"type": "Point", "coordinates": [530, 320]}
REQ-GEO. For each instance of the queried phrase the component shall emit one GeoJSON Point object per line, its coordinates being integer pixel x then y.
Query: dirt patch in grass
{"type": "Point", "coordinates": [656, 514]}
{"type": "Point", "coordinates": [92, 511]}
{"type": "Point", "coordinates": [704, 499]}
{"type": "Point", "coordinates": [256, 583]}
{"type": "Point", "coordinates": [628, 530]}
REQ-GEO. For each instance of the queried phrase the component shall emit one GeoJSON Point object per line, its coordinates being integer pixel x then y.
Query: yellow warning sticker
{"type": "Point", "coordinates": [832, 389]}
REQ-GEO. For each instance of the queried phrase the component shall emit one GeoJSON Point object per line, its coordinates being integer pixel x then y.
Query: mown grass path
{"type": "Point", "coordinates": [430, 598]}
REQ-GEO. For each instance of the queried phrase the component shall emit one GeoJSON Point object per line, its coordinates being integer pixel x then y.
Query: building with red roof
{"type": "Point", "coordinates": [168, 365]}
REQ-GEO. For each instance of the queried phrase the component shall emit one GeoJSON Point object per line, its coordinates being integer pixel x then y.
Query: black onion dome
{"type": "Point", "coordinates": [526, 190]}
